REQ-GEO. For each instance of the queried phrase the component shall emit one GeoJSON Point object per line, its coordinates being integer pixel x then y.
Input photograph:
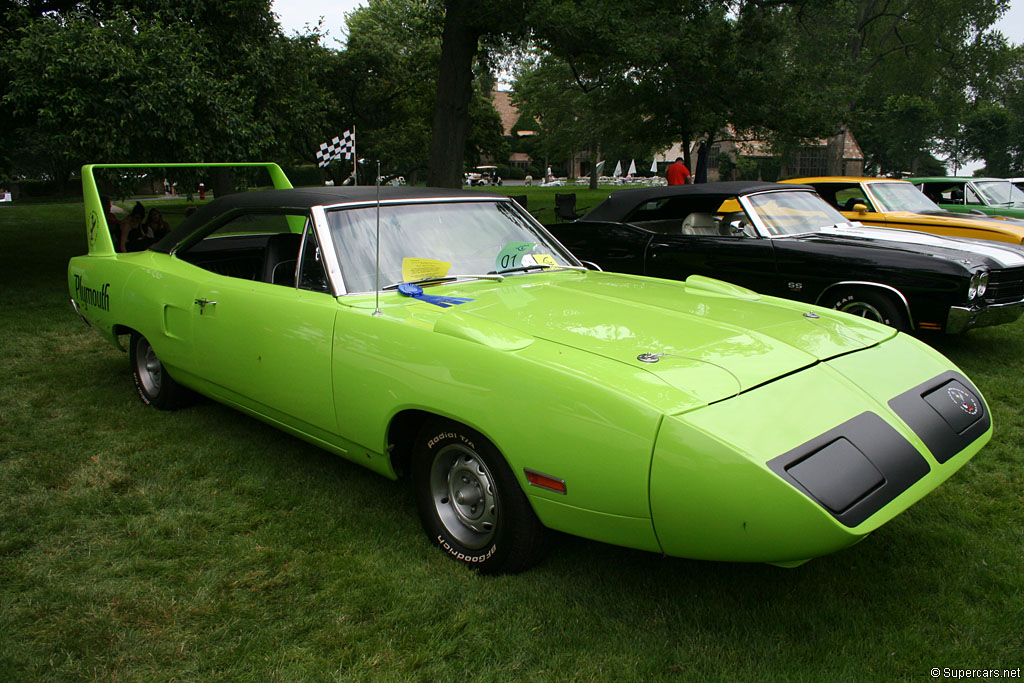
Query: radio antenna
{"type": "Point", "coordinates": [376, 310]}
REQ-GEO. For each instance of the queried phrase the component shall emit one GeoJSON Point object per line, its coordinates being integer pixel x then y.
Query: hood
{"type": "Point", "coordinates": [969, 252]}
{"type": "Point", "coordinates": [946, 218]}
{"type": "Point", "coordinates": [706, 338]}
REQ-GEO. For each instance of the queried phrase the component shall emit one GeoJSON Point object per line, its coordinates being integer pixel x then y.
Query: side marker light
{"type": "Point", "coordinates": [545, 481]}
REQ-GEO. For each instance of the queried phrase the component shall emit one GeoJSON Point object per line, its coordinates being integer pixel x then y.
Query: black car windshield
{"type": "Point", "coordinates": [433, 240]}
{"type": "Point", "coordinates": [999, 191]}
{"type": "Point", "coordinates": [792, 213]}
{"type": "Point", "coordinates": [901, 197]}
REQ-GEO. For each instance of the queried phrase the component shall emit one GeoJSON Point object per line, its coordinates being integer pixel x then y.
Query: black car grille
{"type": "Point", "coordinates": [1005, 286]}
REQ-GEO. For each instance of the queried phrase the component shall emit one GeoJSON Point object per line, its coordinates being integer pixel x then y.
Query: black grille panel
{"type": "Point", "coordinates": [1005, 286]}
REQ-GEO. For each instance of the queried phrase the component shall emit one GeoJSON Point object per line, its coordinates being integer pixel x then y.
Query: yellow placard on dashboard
{"type": "Point", "coordinates": [420, 268]}
{"type": "Point", "coordinates": [545, 259]}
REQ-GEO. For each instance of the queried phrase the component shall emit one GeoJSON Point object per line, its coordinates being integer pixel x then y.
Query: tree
{"type": "Point", "coordinates": [466, 23]}
{"type": "Point", "coordinates": [905, 64]}
{"type": "Point", "coordinates": [155, 80]}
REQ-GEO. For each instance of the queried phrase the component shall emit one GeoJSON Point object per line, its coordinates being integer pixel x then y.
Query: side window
{"type": "Point", "coordinates": [848, 197]}
{"type": "Point", "coordinates": [250, 246]}
{"type": "Point", "coordinates": [312, 274]}
{"type": "Point", "coordinates": [935, 192]}
{"type": "Point", "coordinates": [972, 197]}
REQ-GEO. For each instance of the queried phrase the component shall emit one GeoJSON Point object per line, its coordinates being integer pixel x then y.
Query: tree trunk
{"type": "Point", "coordinates": [459, 44]}
{"type": "Point", "coordinates": [223, 181]}
{"type": "Point", "coordinates": [686, 150]}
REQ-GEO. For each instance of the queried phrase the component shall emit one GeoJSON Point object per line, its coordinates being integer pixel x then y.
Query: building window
{"type": "Point", "coordinates": [812, 161]}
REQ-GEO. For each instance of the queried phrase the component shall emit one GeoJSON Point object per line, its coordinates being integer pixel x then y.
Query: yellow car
{"type": "Point", "coordinates": [890, 203]}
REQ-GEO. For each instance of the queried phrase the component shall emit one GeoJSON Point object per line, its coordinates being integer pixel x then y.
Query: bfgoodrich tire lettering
{"type": "Point", "coordinates": [153, 384]}
{"type": "Point", "coordinates": [871, 305]}
{"type": "Point", "coordinates": [470, 503]}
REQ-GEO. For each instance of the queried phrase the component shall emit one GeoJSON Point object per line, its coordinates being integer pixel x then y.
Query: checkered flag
{"type": "Point", "coordinates": [348, 144]}
{"type": "Point", "coordinates": [336, 148]}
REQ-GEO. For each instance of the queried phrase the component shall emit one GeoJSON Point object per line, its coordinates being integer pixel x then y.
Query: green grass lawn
{"type": "Point", "coordinates": [202, 544]}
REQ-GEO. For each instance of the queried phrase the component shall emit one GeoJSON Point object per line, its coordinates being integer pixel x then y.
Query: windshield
{"type": "Point", "coordinates": [999, 192]}
{"type": "Point", "coordinates": [901, 197]}
{"type": "Point", "coordinates": [792, 213]}
{"type": "Point", "coordinates": [437, 240]}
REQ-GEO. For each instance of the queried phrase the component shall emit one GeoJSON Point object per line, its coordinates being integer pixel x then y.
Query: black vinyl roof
{"type": "Point", "coordinates": [302, 199]}
{"type": "Point", "coordinates": [620, 203]}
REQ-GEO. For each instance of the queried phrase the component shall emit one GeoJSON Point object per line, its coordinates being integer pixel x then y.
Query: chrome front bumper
{"type": "Point", "coordinates": [963, 318]}
{"type": "Point", "coordinates": [74, 305]}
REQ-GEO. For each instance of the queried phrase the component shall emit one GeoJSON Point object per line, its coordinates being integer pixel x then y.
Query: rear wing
{"type": "Point", "coordinates": [96, 229]}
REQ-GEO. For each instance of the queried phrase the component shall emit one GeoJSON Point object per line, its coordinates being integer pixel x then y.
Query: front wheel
{"type": "Point", "coordinates": [155, 387]}
{"type": "Point", "coordinates": [871, 305]}
{"type": "Point", "coordinates": [470, 503]}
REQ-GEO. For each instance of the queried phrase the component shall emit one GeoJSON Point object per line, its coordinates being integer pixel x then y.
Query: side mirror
{"type": "Point", "coordinates": [860, 208]}
{"type": "Point", "coordinates": [738, 229]}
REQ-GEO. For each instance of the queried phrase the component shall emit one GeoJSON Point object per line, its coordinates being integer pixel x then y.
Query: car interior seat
{"type": "Point", "coordinates": [279, 258]}
{"type": "Point", "coordinates": [699, 223]}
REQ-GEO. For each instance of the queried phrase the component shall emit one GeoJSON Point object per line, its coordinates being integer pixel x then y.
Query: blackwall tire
{"type": "Point", "coordinates": [470, 503]}
{"type": "Point", "coordinates": [153, 384]}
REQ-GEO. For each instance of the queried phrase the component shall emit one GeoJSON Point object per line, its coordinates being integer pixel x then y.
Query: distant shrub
{"type": "Point", "coordinates": [48, 188]}
{"type": "Point", "coordinates": [304, 176]}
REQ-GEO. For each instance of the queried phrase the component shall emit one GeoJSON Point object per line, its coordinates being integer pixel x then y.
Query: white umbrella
{"type": "Point", "coordinates": [618, 169]}
{"type": "Point", "coordinates": [654, 166]}
{"type": "Point", "coordinates": [600, 167]}
{"type": "Point", "coordinates": [632, 167]}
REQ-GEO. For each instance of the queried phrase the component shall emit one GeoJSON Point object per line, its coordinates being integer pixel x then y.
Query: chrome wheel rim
{"type": "Point", "coordinates": [148, 367]}
{"type": "Point", "coordinates": [863, 310]}
{"type": "Point", "coordinates": [464, 497]}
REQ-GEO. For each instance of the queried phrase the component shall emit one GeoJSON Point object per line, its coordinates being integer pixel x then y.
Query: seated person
{"type": "Point", "coordinates": [132, 237]}
{"type": "Point", "coordinates": [155, 226]}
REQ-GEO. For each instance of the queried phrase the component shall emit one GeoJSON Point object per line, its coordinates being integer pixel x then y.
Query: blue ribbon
{"type": "Point", "coordinates": [416, 292]}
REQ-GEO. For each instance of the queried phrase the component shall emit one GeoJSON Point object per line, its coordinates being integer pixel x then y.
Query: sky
{"type": "Point", "coordinates": [295, 14]}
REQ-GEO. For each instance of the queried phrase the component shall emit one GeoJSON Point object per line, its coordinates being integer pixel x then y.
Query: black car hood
{"type": "Point", "coordinates": [967, 251]}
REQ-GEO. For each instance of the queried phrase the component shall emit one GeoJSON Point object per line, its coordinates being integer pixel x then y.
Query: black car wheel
{"type": "Point", "coordinates": [470, 502]}
{"type": "Point", "coordinates": [155, 387]}
{"type": "Point", "coordinates": [871, 305]}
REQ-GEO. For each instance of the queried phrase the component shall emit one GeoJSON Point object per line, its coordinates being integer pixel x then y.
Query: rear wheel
{"type": "Point", "coordinates": [155, 387]}
{"type": "Point", "coordinates": [470, 502]}
{"type": "Point", "coordinates": [872, 305]}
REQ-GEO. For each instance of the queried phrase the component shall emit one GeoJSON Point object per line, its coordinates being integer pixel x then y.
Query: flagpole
{"type": "Point", "coordinates": [355, 173]}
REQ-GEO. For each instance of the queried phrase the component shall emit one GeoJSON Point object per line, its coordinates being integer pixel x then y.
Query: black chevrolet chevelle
{"type": "Point", "coordinates": [784, 240]}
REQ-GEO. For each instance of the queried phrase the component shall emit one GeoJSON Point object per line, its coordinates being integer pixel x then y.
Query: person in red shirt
{"type": "Point", "coordinates": [677, 173]}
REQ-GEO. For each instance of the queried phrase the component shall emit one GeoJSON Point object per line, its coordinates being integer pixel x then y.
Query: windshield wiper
{"type": "Point", "coordinates": [435, 280]}
{"type": "Point", "coordinates": [421, 281]}
{"type": "Point", "coordinates": [535, 266]}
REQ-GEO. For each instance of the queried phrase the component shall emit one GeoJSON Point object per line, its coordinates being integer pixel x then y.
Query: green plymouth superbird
{"type": "Point", "coordinates": [446, 336]}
